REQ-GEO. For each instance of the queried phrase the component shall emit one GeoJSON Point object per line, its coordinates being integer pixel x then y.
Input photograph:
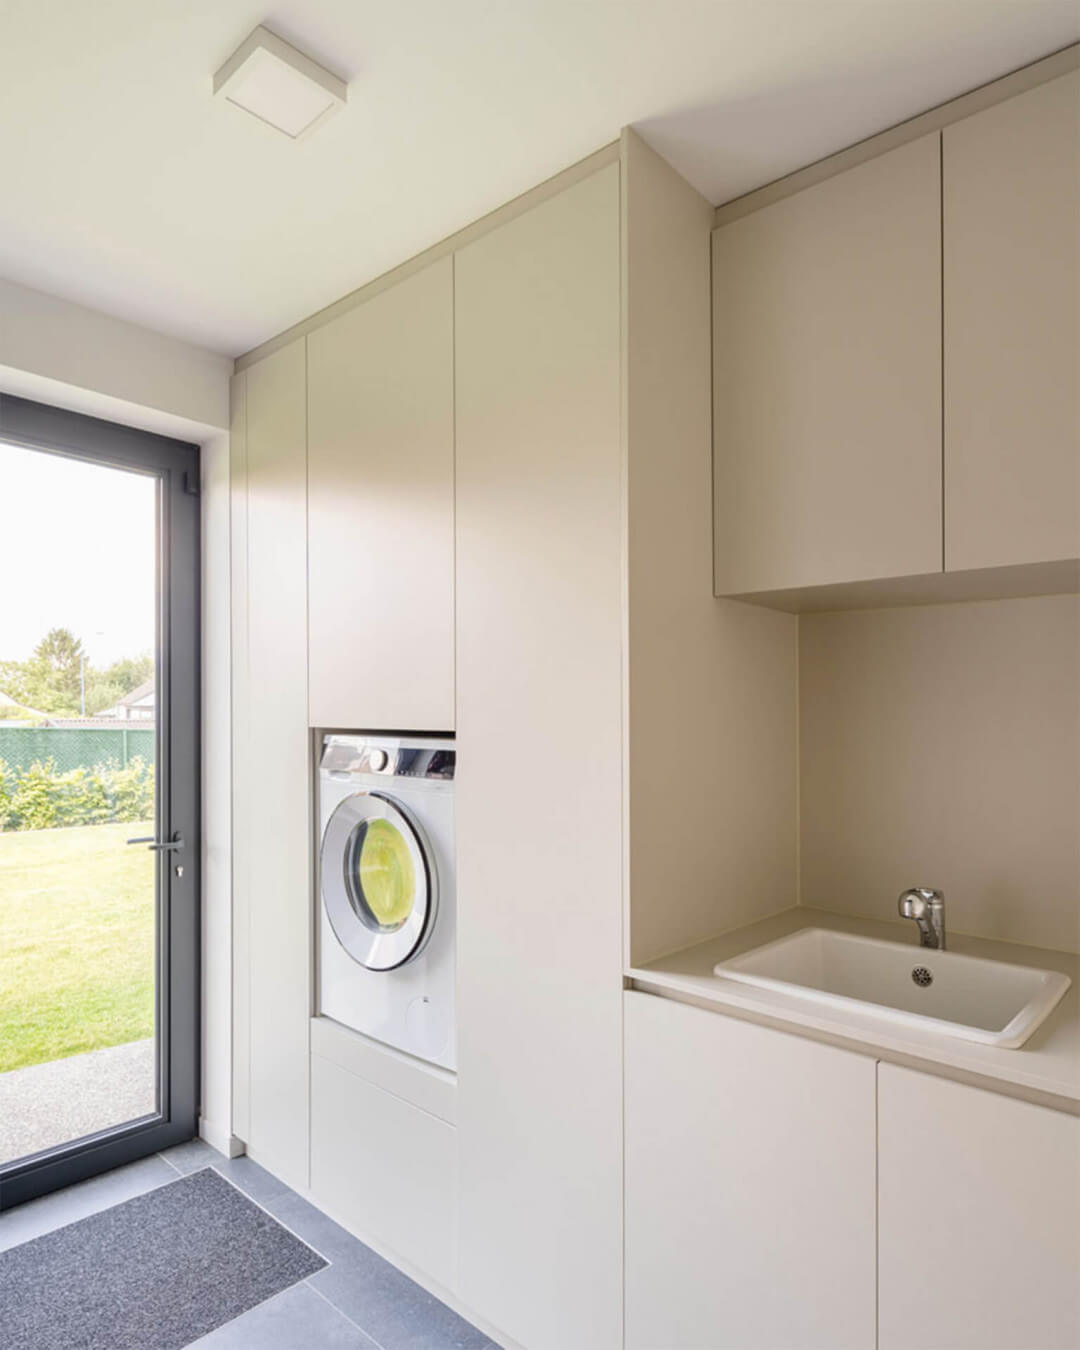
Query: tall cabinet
{"type": "Point", "coordinates": [271, 792]}
{"type": "Point", "coordinates": [539, 785]}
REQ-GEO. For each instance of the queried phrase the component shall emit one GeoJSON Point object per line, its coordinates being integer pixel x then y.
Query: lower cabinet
{"type": "Point", "coordinates": [786, 1195]}
{"type": "Point", "coordinates": [979, 1200]}
{"type": "Point", "coordinates": [749, 1186]}
{"type": "Point", "coordinates": [386, 1168]}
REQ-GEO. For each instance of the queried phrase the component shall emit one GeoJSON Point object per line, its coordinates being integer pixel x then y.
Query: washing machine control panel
{"type": "Point", "coordinates": [357, 754]}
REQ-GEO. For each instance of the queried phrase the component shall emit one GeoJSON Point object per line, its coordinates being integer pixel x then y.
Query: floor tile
{"type": "Point", "coordinates": [249, 1177]}
{"type": "Point", "coordinates": [394, 1310]}
{"type": "Point", "coordinates": [297, 1319]}
{"type": "Point", "coordinates": [246, 1175]}
{"type": "Point", "coordinates": [191, 1156]}
{"type": "Point", "coordinates": [86, 1197]}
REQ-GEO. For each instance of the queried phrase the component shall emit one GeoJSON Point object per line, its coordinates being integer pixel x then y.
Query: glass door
{"type": "Point", "coordinates": [99, 846]}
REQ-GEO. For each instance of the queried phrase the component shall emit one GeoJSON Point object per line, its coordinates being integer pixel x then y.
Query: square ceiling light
{"type": "Point", "coordinates": [279, 85]}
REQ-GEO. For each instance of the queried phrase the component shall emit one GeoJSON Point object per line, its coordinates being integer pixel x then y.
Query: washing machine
{"type": "Point", "coordinates": [386, 886]}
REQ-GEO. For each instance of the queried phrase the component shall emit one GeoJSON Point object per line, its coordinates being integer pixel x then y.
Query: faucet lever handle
{"type": "Point", "coordinates": [927, 907]}
{"type": "Point", "coordinates": [917, 900]}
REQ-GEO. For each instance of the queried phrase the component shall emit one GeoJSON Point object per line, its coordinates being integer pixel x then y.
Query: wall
{"type": "Point", "coordinates": [45, 338]}
{"type": "Point", "coordinates": [940, 746]}
{"type": "Point", "coordinates": [72, 357]}
{"type": "Point", "coordinates": [711, 701]}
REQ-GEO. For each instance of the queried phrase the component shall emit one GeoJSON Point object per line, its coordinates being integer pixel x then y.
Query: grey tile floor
{"type": "Point", "coordinates": [357, 1302]}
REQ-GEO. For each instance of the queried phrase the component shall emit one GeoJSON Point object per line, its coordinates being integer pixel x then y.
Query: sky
{"type": "Point", "coordinates": [77, 550]}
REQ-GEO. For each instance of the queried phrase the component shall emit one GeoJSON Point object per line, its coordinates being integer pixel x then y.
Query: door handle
{"type": "Point", "coordinates": [158, 845]}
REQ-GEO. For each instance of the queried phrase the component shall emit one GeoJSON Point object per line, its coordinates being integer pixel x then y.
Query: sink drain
{"type": "Point", "coordinates": [922, 976]}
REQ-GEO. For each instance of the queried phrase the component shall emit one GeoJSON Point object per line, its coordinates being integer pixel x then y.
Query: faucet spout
{"type": "Point", "coordinates": [927, 908]}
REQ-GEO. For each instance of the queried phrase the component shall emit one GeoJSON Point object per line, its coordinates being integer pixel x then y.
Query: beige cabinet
{"type": "Point", "coordinates": [1012, 330]}
{"type": "Point", "coordinates": [827, 380]}
{"type": "Point", "coordinates": [271, 787]}
{"type": "Point", "coordinates": [538, 802]}
{"type": "Point", "coordinates": [979, 1219]}
{"type": "Point", "coordinates": [381, 510]}
{"type": "Point", "coordinates": [385, 1168]}
{"type": "Point", "coordinates": [749, 1186]}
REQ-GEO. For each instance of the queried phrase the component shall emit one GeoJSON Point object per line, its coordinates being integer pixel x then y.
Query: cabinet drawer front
{"type": "Point", "coordinates": [386, 1168]}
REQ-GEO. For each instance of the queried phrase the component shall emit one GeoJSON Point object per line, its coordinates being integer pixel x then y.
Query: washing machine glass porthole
{"type": "Point", "coordinates": [379, 885]}
{"type": "Point", "coordinates": [380, 878]}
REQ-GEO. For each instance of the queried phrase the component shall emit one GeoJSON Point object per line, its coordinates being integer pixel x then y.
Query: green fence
{"type": "Point", "coordinates": [76, 747]}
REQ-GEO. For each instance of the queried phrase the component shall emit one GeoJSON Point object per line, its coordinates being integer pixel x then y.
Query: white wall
{"type": "Point", "coordinates": [64, 354]}
{"type": "Point", "coordinates": [69, 345]}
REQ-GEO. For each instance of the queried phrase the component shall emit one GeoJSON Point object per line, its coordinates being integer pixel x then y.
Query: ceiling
{"type": "Point", "coordinates": [125, 186]}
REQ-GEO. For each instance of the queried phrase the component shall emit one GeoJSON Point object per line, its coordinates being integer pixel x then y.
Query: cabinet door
{"type": "Point", "coordinates": [539, 772]}
{"type": "Point", "coordinates": [271, 820]}
{"type": "Point", "coordinates": [1012, 330]}
{"type": "Point", "coordinates": [381, 510]}
{"type": "Point", "coordinates": [386, 1168]}
{"type": "Point", "coordinates": [749, 1186]}
{"type": "Point", "coordinates": [979, 1219]}
{"type": "Point", "coordinates": [827, 363]}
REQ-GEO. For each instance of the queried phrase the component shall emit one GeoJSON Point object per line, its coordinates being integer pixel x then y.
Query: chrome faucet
{"type": "Point", "coordinates": [927, 908]}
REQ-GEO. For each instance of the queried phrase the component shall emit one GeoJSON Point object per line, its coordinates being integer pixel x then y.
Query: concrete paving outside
{"type": "Point", "coordinates": [54, 1103]}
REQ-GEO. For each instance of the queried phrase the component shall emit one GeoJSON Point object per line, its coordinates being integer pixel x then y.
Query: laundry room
{"type": "Point", "coordinates": [540, 676]}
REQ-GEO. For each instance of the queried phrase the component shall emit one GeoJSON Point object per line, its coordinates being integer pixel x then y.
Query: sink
{"type": "Point", "coordinates": [968, 997]}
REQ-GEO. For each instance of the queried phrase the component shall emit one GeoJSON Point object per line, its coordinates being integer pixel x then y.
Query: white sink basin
{"type": "Point", "coordinates": [968, 997]}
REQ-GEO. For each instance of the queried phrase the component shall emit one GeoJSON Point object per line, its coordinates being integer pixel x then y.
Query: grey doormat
{"type": "Point", "coordinates": [153, 1273]}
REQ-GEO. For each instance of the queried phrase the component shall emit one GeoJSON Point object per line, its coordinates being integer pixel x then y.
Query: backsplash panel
{"type": "Point", "coordinates": [940, 746]}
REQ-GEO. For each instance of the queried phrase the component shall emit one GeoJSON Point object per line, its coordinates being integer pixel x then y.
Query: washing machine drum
{"type": "Point", "coordinates": [379, 883]}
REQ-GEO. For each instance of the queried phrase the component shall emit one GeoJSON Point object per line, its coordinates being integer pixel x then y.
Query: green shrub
{"type": "Point", "coordinates": [7, 785]}
{"type": "Point", "coordinates": [34, 801]}
{"type": "Point", "coordinates": [129, 791]}
{"type": "Point", "coordinates": [41, 798]}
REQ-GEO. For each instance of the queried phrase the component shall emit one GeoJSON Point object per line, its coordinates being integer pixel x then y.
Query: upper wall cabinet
{"type": "Point", "coordinates": [1012, 330]}
{"type": "Point", "coordinates": [827, 352]}
{"type": "Point", "coordinates": [381, 510]}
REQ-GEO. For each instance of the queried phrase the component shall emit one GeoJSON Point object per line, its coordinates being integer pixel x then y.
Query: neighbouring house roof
{"type": "Point", "coordinates": [138, 695]}
{"type": "Point", "coordinates": [135, 705]}
{"type": "Point", "coordinates": [7, 702]}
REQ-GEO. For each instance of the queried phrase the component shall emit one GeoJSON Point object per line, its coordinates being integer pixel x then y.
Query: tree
{"type": "Point", "coordinates": [52, 675]}
{"type": "Point", "coordinates": [51, 681]}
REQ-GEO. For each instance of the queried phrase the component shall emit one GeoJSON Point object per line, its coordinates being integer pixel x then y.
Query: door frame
{"type": "Point", "coordinates": [175, 464]}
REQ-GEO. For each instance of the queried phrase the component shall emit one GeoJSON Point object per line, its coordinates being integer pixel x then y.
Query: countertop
{"type": "Point", "coordinates": [1045, 1069]}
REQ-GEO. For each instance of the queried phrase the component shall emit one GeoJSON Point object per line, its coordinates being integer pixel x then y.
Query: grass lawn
{"type": "Point", "coordinates": [76, 942]}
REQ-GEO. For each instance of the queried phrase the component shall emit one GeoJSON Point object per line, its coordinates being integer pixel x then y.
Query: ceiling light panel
{"type": "Point", "coordinates": [279, 85]}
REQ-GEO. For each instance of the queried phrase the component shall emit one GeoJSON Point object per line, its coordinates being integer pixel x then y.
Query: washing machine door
{"type": "Point", "coordinates": [379, 883]}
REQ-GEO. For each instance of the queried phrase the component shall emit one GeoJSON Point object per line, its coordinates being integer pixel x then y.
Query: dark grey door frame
{"type": "Point", "coordinates": [176, 466]}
